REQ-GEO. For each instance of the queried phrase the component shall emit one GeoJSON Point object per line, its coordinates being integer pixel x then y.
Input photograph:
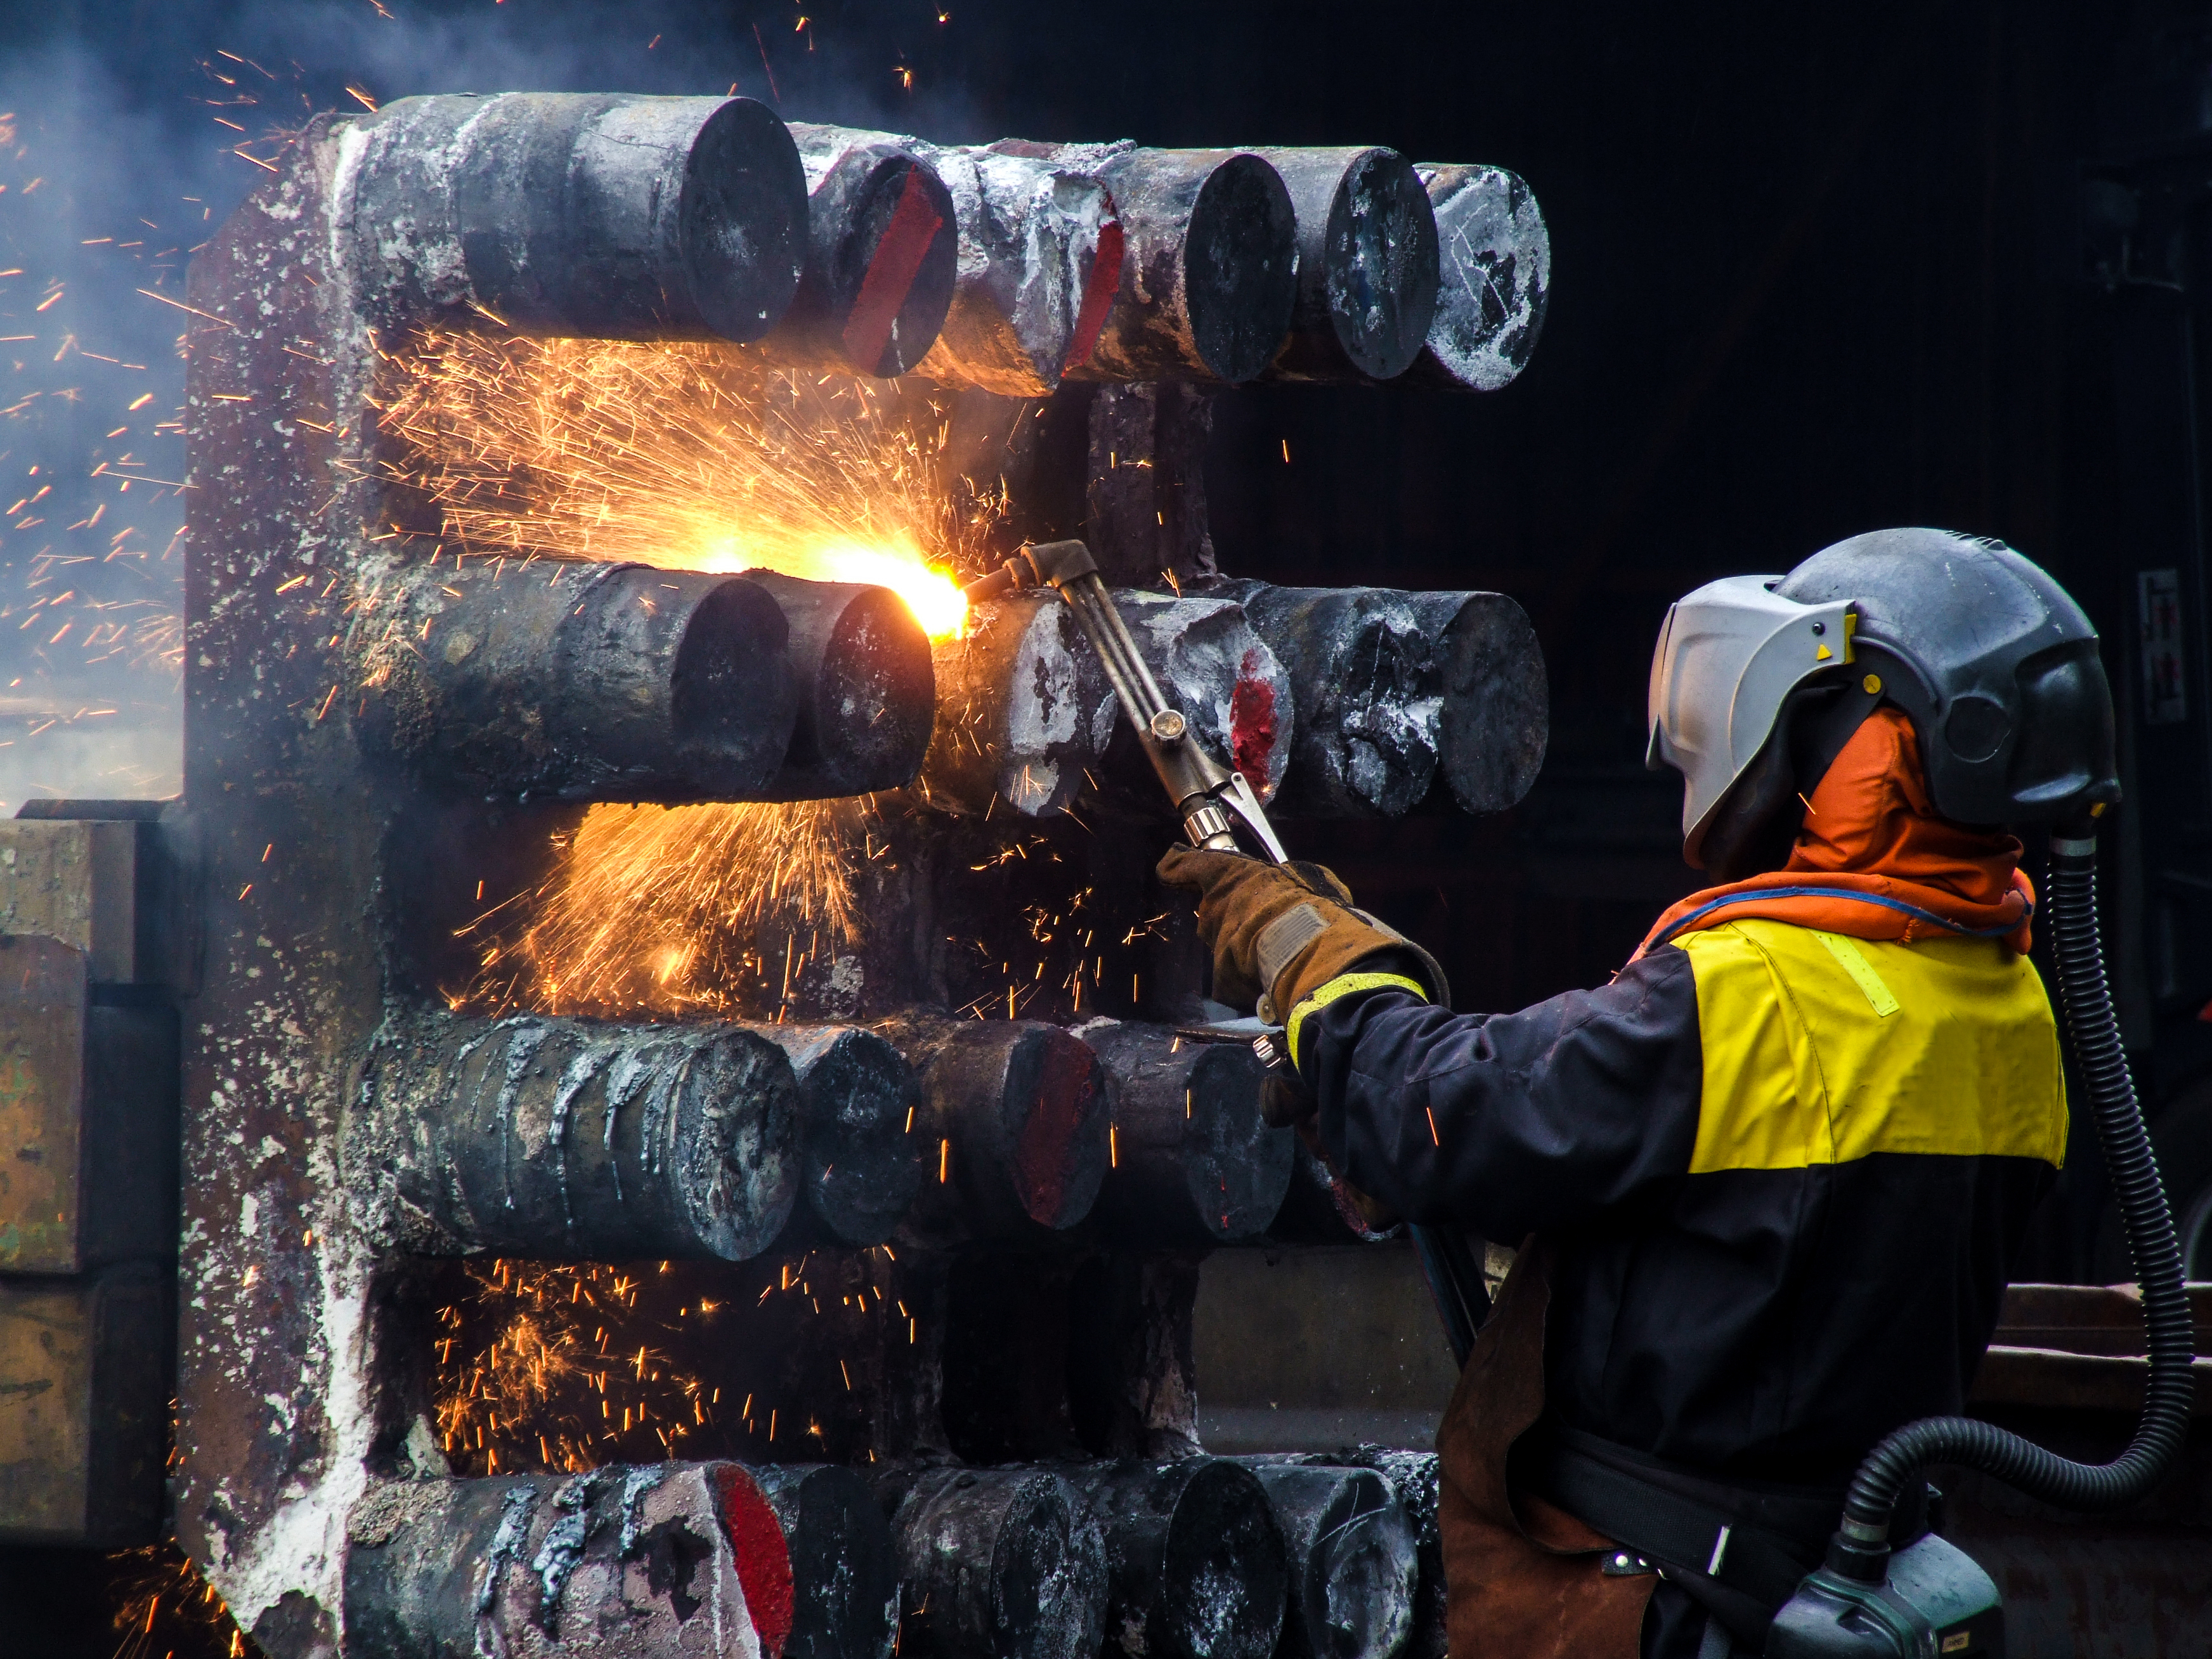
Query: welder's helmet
{"type": "Point", "coordinates": [1758, 680]}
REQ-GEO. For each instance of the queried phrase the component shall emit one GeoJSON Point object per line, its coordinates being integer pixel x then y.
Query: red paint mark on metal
{"type": "Point", "coordinates": [764, 1563]}
{"type": "Point", "coordinates": [1045, 1156]}
{"type": "Point", "coordinates": [1098, 292]}
{"type": "Point", "coordinates": [897, 260]}
{"type": "Point", "coordinates": [1252, 727]}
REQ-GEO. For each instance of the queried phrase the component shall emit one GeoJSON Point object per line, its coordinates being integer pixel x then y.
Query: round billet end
{"type": "Point", "coordinates": [1354, 1564]}
{"type": "Point", "coordinates": [997, 1563]}
{"type": "Point", "coordinates": [1495, 277]}
{"type": "Point", "coordinates": [732, 700]}
{"type": "Point", "coordinates": [1048, 1576]}
{"type": "Point", "coordinates": [1227, 1572]}
{"type": "Point", "coordinates": [1235, 1168]}
{"type": "Point", "coordinates": [867, 689]}
{"type": "Point", "coordinates": [1054, 1113]}
{"type": "Point", "coordinates": [844, 1575]}
{"type": "Point", "coordinates": [886, 253]}
{"type": "Point", "coordinates": [1496, 719]}
{"type": "Point", "coordinates": [728, 1131]}
{"type": "Point", "coordinates": [741, 221]}
{"type": "Point", "coordinates": [1240, 267]}
{"type": "Point", "coordinates": [858, 1100]}
{"type": "Point", "coordinates": [875, 698]}
{"type": "Point", "coordinates": [1381, 273]}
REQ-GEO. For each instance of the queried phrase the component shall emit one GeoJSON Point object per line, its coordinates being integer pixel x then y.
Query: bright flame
{"type": "Point", "coordinates": [687, 457]}
{"type": "Point", "coordinates": [695, 458]}
{"type": "Point", "coordinates": [931, 595]}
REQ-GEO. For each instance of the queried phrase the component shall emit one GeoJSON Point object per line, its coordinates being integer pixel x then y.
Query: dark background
{"type": "Point", "coordinates": [1817, 269]}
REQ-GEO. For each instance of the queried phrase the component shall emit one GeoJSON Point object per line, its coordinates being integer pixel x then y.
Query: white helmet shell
{"type": "Point", "coordinates": [1729, 655]}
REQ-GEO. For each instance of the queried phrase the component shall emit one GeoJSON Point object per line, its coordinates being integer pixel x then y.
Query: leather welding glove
{"type": "Point", "coordinates": [1281, 933]}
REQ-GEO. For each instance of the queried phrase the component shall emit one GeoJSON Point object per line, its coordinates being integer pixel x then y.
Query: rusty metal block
{"type": "Point", "coordinates": [85, 1379]}
{"type": "Point", "coordinates": [88, 1117]}
{"type": "Point", "coordinates": [78, 882]}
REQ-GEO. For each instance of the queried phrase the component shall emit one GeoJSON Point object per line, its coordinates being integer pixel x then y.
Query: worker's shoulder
{"type": "Point", "coordinates": [1944, 966]}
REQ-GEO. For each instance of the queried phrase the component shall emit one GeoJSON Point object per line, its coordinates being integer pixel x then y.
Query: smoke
{"type": "Point", "coordinates": [127, 134]}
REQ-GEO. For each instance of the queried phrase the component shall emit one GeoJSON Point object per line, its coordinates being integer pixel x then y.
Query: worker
{"type": "Point", "coordinates": [1767, 1182]}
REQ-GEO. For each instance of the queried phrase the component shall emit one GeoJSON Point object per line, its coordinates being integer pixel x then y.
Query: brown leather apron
{"type": "Point", "coordinates": [1523, 1578]}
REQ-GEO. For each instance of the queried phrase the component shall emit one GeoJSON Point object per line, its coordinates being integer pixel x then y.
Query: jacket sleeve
{"type": "Point", "coordinates": [1506, 1124]}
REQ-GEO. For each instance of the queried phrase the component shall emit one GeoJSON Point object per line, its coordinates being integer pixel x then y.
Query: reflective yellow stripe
{"type": "Point", "coordinates": [1847, 951]}
{"type": "Point", "coordinates": [1344, 985]}
{"type": "Point", "coordinates": [1803, 1066]}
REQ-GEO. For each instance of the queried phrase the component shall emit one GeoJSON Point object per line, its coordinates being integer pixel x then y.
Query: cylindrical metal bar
{"type": "Point", "coordinates": [1354, 1567]}
{"type": "Point", "coordinates": [610, 217]}
{"type": "Point", "coordinates": [580, 682]}
{"type": "Point", "coordinates": [1494, 717]}
{"type": "Point", "coordinates": [1394, 687]}
{"type": "Point", "coordinates": [620, 1562]}
{"type": "Point", "coordinates": [1021, 713]}
{"type": "Point", "coordinates": [1209, 265]}
{"type": "Point", "coordinates": [1495, 258]}
{"type": "Point", "coordinates": [844, 1576]}
{"type": "Point", "coordinates": [1413, 1477]}
{"type": "Point", "coordinates": [1014, 1122]}
{"type": "Point", "coordinates": [996, 1563]}
{"type": "Point", "coordinates": [1208, 663]}
{"type": "Point", "coordinates": [883, 245]}
{"type": "Point", "coordinates": [565, 1139]}
{"type": "Point", "coordinates": [1194, 1164]}
{"type": "Point", "coordinates": [1364, 678]}
{"type": "Point", "coordinates": [867, 694]}
{"type": "Point", "coordinates": [859, 1142]}
{"type": "Point", "coordinates": [1195, 1566]}
{"type": "Point", "coordinates": [1040, 255]}
{"type": "Point", "coordinates": [1367, 265]}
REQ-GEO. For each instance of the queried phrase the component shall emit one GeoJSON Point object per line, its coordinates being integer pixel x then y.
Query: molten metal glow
{"type": "Point", "coordinates": [688, 457]}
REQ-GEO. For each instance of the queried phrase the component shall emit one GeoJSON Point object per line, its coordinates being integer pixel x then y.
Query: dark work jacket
{"type": "Point", "coordinates": [1782, 1173]}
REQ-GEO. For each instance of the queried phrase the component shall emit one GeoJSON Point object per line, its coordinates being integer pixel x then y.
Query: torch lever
{"type": "Point", "coordinates": [1214, 802]}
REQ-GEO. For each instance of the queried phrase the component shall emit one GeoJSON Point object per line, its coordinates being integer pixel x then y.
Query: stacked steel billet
{"type": "Point", "coordinates": [622, 1562]}
{"type": "Point", "coordinates": [605, 216]}
{"type": "Point", "coordinates": [1030, 715]}
{"type": "Point", "coordinates": [572, 1140]}
{"type": "Point", "coordinates": [1040, 253]}
{"type": "Point", "coordinates": [1354, 1563]}
{"type": "Point", "coordinates": [1394, 686]}
{"type": "Point", "coordinates": [577, 681]}
{"type": "Point", "coordinates": [1496, 278]}
{"type": "Point", "coordinates": [1022, 710]}
{"type": "Point", "coordinates": [861, 1147]}
{"type": "Point", "coordinates": [995, 1563]}
{"type": "Point", "coordinates": [866, 693]}
{"type": "Point", "coordinates": [1209, 271]}
{"type": "Point", "coordinates": [844, 1577]}
{"type": "Point", "coordinates": [1413, 1480]}
{"type": "Point", "coordinates": [1014, 1124]}
{"type": "Point", "coordinates": [883, 248]}
{"type": "Point", "coordinates": [1195, 1566]}
{"type": "Point", "coordinates": [1194, 1164]}
{"type": "Point", "coordinates": [1367, 265]}
{"type": "Point", "coordinates": [1213, 667]}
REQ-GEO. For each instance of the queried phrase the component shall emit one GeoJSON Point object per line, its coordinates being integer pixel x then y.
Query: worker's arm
{"type": "Point", "coordinates": [1510, 1123]}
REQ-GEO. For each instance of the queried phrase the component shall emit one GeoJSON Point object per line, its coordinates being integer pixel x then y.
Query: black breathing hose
{"type": "Point", "coordinates": [1861, 1547]}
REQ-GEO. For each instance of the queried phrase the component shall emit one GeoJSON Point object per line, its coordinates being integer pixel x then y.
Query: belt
{"type": "Point", "coordinates": [1739, 1551]}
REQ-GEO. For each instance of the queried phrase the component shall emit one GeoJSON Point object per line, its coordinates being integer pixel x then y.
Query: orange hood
{"type": "Point", "coordinates": [1875, 862]}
